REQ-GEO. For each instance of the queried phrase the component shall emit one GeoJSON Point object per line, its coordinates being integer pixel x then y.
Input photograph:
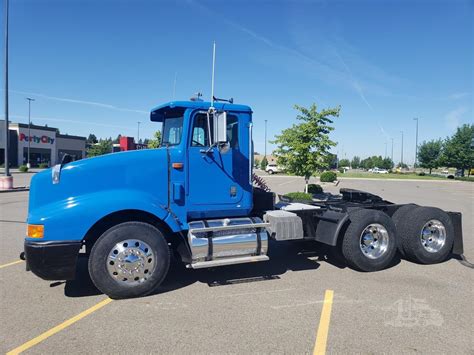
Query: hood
{"type": "Point", "coordinates": [133, 170]}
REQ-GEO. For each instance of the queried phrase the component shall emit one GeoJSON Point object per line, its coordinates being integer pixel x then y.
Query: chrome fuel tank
{"type": "Point", "coordinates": [227, 238]}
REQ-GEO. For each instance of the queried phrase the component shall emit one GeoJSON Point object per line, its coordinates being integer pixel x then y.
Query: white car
{"type": "Point", "coordinates": [273, 169]}
{"type": "Point", "coordinates": [379, 171]}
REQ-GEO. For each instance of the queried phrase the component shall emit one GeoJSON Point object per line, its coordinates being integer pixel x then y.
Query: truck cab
{"type": "Point", "coordinates": [194, 198]}
{"type": "Point", "coordinates": [208, 178]}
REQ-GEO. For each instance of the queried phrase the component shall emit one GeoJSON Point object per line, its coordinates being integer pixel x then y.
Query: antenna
{"type": "Point", "coordinates": [213, 67]}
{"type": "Point", "coordinates": [174, 84]}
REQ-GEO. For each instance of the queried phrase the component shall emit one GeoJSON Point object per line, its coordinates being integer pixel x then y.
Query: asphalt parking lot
{"type": "Point", "coordinates": [271, 307]}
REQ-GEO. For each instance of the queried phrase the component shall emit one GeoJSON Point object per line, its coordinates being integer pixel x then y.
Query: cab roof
{"type": "Point", "coordinates": [159, 113]}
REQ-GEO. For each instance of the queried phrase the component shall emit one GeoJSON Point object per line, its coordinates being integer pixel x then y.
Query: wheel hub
{"type": "Point", "coordinates": [433, 236]}
{"type": "Point", "coordinates": [131, 261]}
{"type": "Point", "coordinates": [374, 241]}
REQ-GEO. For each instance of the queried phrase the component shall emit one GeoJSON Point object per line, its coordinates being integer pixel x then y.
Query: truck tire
{"type": "Point", "coordinates": [130, 259]}
{"type": "Point", "coordinates": [270, 172]}
{"type": "Point", "coordinates": [369, 243]}
{"type": "Point", "coordinates": [399, 218]}
{"type": "Point", "coordinates": [427, 235]}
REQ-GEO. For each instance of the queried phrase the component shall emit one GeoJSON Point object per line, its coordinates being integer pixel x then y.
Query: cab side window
{"type": "Point", "coordinates": [233, 131]}
{"type": "Point", "coordinates": [200, 137]}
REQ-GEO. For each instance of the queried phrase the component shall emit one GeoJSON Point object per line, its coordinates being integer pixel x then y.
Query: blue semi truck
{"type": "Point", "coordinates": [194, 198]}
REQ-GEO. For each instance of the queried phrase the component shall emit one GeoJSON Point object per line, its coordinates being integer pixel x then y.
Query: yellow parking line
{"type": "Point", "coordinates": [323, 329]}
{"type": "Point", "coordinates": [58, 328]}
{"type": "Point", "coordinates": [12, 263]}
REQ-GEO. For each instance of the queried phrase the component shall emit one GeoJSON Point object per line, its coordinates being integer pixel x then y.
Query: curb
{"type": "Point", "coordinates": [16, 189]}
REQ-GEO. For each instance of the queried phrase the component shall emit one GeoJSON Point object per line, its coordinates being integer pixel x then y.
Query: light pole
{"type": "Point", "coordinates": [385, 156]}
{"type": "Point", "coordinates": [6, 182]}
{"type": "Point", "coordinates": [392, 150]}
{"type": "Point", "coordinates": [29, 131]}
{"type": "Point", "coordinates": [265, 139]}
{"type": "Point", "coordinates": [401, 155]}
{"type": "Point", "coordinates": [416, 142]}
{"type": "Point", "coordinates": [138, 133]}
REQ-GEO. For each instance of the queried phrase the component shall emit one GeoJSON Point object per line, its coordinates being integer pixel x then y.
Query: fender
{"type": "Point", "coordinates": [70, 219]}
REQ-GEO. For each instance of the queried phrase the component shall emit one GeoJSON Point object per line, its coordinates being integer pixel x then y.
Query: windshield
{"type": "Point", "coordinates": [172, 130]}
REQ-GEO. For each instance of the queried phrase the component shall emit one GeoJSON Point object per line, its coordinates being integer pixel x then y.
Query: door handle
{"type": "Point", "coordinates": [206, 151]}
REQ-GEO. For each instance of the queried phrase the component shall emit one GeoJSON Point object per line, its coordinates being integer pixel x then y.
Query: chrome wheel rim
{"type": "Point", "coordinates": [131, 261]}
{"type": "Point", "coordinates": [374, 241]}
{"type": "Point", "coordinates": [433, 236]}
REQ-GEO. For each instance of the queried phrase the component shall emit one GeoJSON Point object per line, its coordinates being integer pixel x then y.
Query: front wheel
{"type": "Point", "coordinates": [369, 241]}
{"type": "Point", "coordinates": [130, 259]}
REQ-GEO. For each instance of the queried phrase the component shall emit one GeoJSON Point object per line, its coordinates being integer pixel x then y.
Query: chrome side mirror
{"type": "Point", "coordinates": [220, 128]}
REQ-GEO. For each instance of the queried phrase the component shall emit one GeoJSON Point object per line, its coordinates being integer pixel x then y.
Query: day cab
{"type": "Point", "coordinates": [193, 198]}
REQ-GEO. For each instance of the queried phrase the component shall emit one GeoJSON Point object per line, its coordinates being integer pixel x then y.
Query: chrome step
{"type": "Point", "coordinates": [228, 261]}
{"type": "Point", "coordinates": [230, 227]}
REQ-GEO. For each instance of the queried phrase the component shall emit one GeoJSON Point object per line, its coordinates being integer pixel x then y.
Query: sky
{"type": "Point", "coordinates": [100, 66]}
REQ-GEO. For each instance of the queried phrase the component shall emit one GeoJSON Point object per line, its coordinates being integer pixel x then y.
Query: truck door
{"type": "Point", "coordinates": [216, 178]}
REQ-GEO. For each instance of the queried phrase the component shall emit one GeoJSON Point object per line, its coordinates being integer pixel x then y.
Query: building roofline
{"type": "Point", "coordinates": [69, 136]}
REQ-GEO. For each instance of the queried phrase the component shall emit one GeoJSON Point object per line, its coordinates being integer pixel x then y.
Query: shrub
{"type": "Point", "coordinates": [328, 176]}
{"type": "Point", "coordinates": [43, 165]}
{"type": "Point", "coordinates": [421, 174]}
{"type": "Point", "coordinates": [23, 168]}
{"type": "Point", "coordinates": [341, 170]}
{"type": "Point", "coordinates": [299, 196]}
{"type": "Point", "coordinates": [315, 189]}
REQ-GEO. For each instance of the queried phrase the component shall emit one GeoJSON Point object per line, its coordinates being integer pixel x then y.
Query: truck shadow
{"type": "Point", "coordinates": [284, 256]}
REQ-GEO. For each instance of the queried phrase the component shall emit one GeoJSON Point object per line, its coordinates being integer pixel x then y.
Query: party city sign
{"type": "Point", "coordinates": [36, 139]}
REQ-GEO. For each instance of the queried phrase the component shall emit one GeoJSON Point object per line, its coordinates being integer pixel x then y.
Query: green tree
{"type": "Point", "coordinates": [92, 139]}
{"type": "Point", "coordinates": [256, 162]}
{"type": "Point", "coordinates": [104, 146]}
{"type": "Point", "coordinates": [344, 162]}
{"type": "Point", "coordinates": [331, 161]}
{"type": "Point", "coordinates": [301, 149]}
{"type": "Point", "coordinates": [387, 163]}
{"type": "Point", "coordinates": [355, 163]}
{"type": "Point", "coordinates": [264, 163]}
{"type": "Point", "coordinates": [458, 150]}
{"type": "Point", "coordinates": [367, 163]}
{"type": "Point", "coordinates": [155, 141]}
{"type": "Point", "coordinates": [429, 154]}
{"type": "Point", "coordinates": [117, 140]}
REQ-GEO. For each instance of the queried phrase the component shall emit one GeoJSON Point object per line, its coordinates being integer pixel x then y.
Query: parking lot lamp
{"type": "Point", "coordinates": [416, 142]}
{"type": "Point", "coordinates": [7, 180]}
{"type": "Point", "coordinates": [392, 150]}
{"type": "Point", "coordinates": [138, 131]}
{"type": "Point", "coordinates": [265, 139]}
{"type": "Point", "coordinates": [29, 131]}
{"type": "Point", "coordinates": [401, 155]}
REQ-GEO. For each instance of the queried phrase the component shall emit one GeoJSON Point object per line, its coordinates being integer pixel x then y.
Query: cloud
{"type": "Point", "coordinates": [453, 118]}
{"type": "Point", "coordinates": [458, 95]}
{"type": "Point", "coordinates": [49, 119]}
{"type": "Point", "coordinates": [330, 71]}
{"type": "Point", "coordinates": [355, 83]}
{"type": "Point", "coordinates": [76, 101]}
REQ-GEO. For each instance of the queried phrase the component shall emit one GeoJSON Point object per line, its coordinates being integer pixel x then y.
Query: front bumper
{"type": "Point", "coordinates": [52, 260]}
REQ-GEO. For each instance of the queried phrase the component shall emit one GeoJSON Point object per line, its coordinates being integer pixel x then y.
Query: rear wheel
{"type": "Point", "coordinates": [129, 260]}
{"type": "Point", "coordinates": [369, 241]}
{"type": "Point", "coordinates": [270, 172]}
{"type": "Point", "coordinates": [399, 218]}
{"type": "Point", "coordinates": [427, 235]}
